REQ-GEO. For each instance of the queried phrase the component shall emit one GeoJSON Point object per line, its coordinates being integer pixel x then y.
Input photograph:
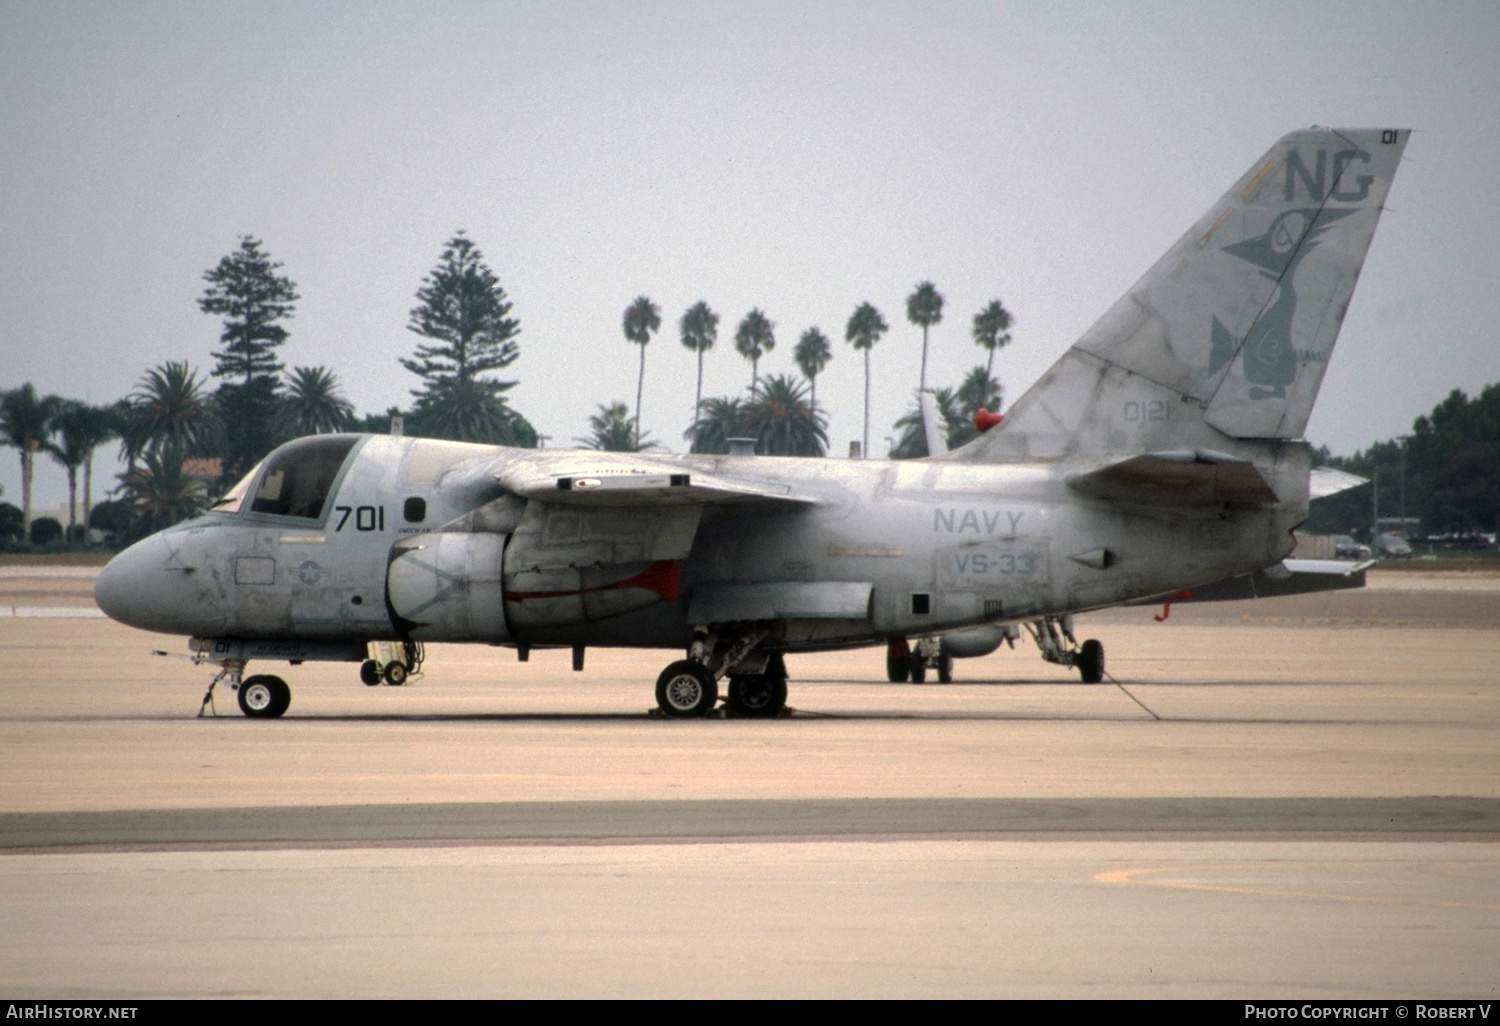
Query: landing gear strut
{"type": "Point", "coordinates": [1054, 636]}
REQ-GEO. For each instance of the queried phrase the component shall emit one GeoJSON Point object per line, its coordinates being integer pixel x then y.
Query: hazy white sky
{"type": "Point", "coordinates": [798, 157]}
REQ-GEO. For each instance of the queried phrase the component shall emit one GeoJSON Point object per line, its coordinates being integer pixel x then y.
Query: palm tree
{"type": "Point", "coordinates": [641, 319]}
{"type": "Point", "coordinates": [979, 391]}
{"type": "Point", "coordinates": [924, 308]}
{"type": "Point", "coordinates": [96, 425]}
{"type": "Point", "coordinates": [753, 339]}
{"type": "Point", "coordinates": [81, 429]}
{"type": "Point", "coordinates": [613, 431]}
{"type": "Point", "coordinates": [911, 437]}
{"type": "Point", "coordinates": [700, 329]}
{"type": "Point", "coordinates": [863, 330]}
{"type": "Point", "coordinates": [812, 355]}
{"type": "Point", "coordinates": [169, 408]}
{"type": "Point", "coordinates": [161, 492]}
{"type": "Point", "coordinates": [26, 422]}
{"type": "Point", "coordinates": [992, 330]}
{"type": "Point", "coordinates": [719, 420]}
{"type": "Point", "coordinates": [314, 403]}
{"type": "Point", "coordinates": [783, 421]}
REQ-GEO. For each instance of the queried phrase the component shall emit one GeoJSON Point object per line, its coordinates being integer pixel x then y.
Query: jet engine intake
{"type": "Point", "coordinates": [447, 586]}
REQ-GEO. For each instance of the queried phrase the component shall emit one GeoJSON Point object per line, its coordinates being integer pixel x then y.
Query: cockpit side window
{"type": "Point", "coordinates": [300, 475]}
{"type": "Point", "coordinates": [235, 497]}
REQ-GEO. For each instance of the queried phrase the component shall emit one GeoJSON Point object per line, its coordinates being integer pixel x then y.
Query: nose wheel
{"type": "Point", "coordinates": [264, 696]}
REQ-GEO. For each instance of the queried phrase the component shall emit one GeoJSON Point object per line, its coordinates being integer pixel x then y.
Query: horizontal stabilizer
{"type": "Point", "coordinates": [1326, 481]}
{"type": "Point", "coordinates": [1199, 478]}
{"type": "Point", "coordinates": [1289, 577]}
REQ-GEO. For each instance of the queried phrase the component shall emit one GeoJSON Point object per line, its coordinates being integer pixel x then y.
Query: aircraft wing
{"type": "Point", "coordinates": [1198, 478]}
{"type": "Point", "coordinates": [627, 479]}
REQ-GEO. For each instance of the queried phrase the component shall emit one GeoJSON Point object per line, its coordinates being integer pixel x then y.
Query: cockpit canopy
{"type": "Point", "coordinates": [297, 478]}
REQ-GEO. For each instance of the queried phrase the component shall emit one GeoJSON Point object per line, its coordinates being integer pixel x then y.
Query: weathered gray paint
{"type": "Point", "coordinates": [1152, 441]}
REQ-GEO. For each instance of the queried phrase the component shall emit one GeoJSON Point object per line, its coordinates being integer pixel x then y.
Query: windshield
{"type": "Point", "coordinates": [233, 498]}
{"type": "Point", "coordinates": [300, 475]}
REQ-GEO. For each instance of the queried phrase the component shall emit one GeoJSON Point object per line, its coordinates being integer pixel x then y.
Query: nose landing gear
{"type": "Point", "coordinates": [264, 696]}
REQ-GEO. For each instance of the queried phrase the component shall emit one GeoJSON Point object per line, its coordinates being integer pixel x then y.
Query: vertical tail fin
{"type": "Point", "coordinates": [1230, 332]}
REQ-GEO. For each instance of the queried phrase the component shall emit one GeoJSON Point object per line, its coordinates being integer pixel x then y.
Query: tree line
{"type": "Point", "coordinates": [1445, 474]}
{"type": "Point", "coordinates": [780, 413]}
{"type": "Point", "coordinates": [186, 437]}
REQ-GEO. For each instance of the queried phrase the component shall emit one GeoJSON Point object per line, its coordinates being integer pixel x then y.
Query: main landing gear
{"type": "Point", "coordinates": [1054, 636]}
{"type": "Point", "coordinates": [757, 680]}
{"type": "Point", "coordinates": [905, 662]}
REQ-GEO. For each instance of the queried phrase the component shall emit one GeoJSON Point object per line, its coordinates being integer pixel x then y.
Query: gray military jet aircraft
{"type": "Point", "coordinates": [1162, 452]}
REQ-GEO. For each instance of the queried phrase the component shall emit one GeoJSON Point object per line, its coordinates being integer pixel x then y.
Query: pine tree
{"type": "Point", "coordinates": [465, 313]}
{"type": "Point", "coordinates": [245, 290]}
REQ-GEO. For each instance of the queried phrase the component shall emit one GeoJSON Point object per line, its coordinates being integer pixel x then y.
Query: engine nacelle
{"type": "Point", "coordinates": [569, 595]}
{"type": "Point", "coordinates": [450, 587]}
{"type": "Point", "coordinates": [454, 586]}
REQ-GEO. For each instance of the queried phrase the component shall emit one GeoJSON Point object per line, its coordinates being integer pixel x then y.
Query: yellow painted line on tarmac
{"type": "Point", "coordinates": [1135, 877]}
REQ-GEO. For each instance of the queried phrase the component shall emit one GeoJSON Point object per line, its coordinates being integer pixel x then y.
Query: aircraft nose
{"type": "Point", "coordinates": [147, 586]}
{"type": "Point", "coordinates": [124, 589]}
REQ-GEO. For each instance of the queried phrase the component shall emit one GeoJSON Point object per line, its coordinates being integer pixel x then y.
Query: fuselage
{"type": "Point", "coordinates": [942, 545]}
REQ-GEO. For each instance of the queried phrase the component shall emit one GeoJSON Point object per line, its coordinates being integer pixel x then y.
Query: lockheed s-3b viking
{"type": "Point", "coordinates": [1162, 452]}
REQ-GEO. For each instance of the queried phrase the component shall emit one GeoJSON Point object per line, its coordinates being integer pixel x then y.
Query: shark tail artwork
{"type": "Point", "coordinates": [1162, 454]}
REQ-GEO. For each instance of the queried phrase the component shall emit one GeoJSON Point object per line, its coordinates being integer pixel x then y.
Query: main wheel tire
{"type": "Point", "coordinates": [264, 696]}
{"type": "Point", "coordinates": [369, 672]}
{"type": "Point", "coordinates": [1090, 661]}
{"type": "Point", "coordinates": [897, 660]}
{"type": "Point", "coordinates": [395, 674]}
{"type": "Point", "coordinates": [686, 689]}
{"type": "Point", "coordinates": [757, 694]}
{"type": "Point", "coordinates": [945, 667]}
{"type": "Point", "coordinates": [917, 668]}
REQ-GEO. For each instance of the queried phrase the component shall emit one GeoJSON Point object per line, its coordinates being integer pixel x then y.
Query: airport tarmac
{"type": "Point", "coordinates": [1291, 798]}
